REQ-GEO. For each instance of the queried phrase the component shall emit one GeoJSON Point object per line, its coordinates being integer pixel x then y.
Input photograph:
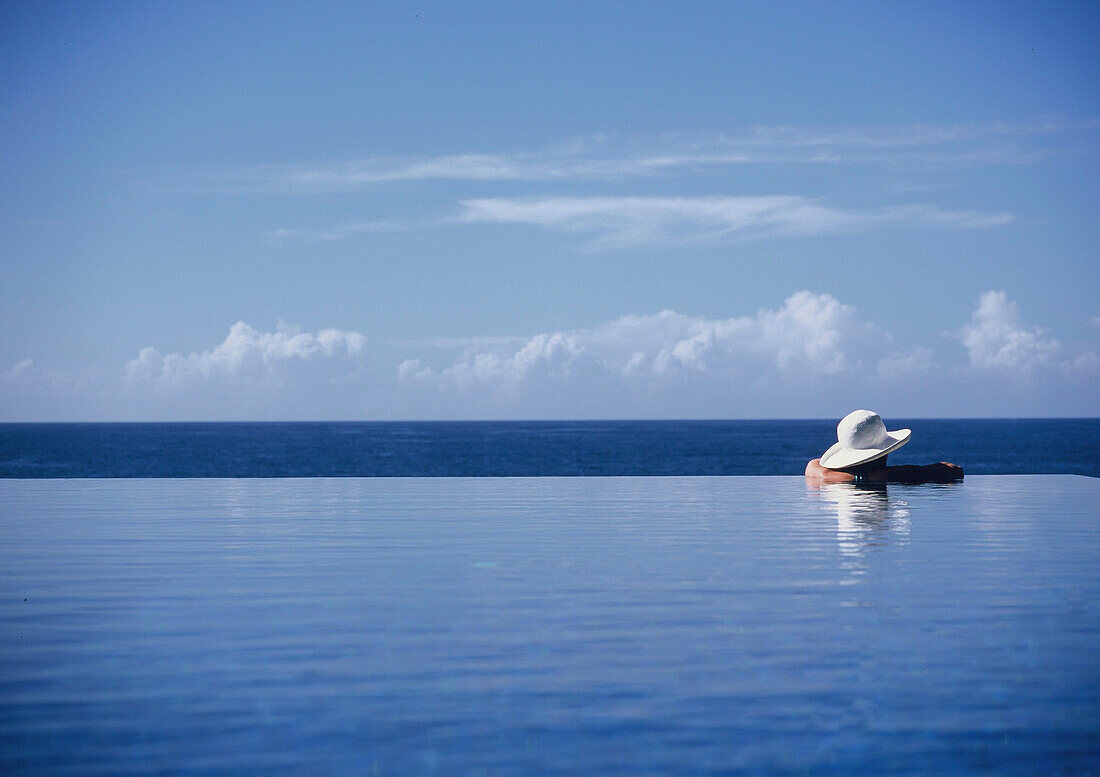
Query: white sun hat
{"type": "Point", "coordinates": [862, 437]}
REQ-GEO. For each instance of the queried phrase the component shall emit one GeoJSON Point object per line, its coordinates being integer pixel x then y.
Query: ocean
{"type": "Point", "coordinates": [522, 448]}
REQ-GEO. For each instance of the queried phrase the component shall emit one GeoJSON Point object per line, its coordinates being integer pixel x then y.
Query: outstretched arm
{"type": "Point", "coordinates": [941, 472]}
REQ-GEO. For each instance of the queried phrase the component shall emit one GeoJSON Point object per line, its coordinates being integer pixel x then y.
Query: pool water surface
{"type": "Point", "coordinates": [520, 626]}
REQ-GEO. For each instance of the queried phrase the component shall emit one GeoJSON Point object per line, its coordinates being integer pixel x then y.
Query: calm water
{"type": "Point", "coordinates": [512, 448]}
{"type": "Point", "coordinates": [579, 626]}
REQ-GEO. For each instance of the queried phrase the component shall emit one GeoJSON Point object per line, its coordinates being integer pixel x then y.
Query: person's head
{"type": "Point", "coordinates": [862, 470]}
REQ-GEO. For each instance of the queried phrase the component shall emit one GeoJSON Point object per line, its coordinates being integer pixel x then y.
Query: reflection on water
{"type": "Point", "coordinates": [867, 516]}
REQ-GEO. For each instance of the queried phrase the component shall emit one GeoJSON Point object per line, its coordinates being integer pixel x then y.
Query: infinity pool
{"type": "Point", "coordinates": [582, 626]}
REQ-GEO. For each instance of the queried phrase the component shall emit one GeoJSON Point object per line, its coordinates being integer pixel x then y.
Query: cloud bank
{"type": "Point", "coordinates": [813, 355]}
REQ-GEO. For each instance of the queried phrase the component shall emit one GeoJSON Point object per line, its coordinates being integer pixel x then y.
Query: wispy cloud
{"type": "Point", "coordinates": [332, 234]}
{"type": "Point", "coordinates": [620, 222]}
{"type": "Point", "coordinates": [614, 157]}
{"type": "Point", "coordinates": [548, 165]}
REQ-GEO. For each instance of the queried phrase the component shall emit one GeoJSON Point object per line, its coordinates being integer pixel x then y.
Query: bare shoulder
{"type": "Point", "coordinates": [816, 472]}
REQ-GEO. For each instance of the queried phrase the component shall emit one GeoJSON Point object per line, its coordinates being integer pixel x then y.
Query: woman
{"type": "Point", "coordinates": [860, 454]}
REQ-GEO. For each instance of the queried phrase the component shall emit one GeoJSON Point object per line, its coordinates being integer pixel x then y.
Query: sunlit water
{"type": "Point", "coordinates": [549, 626]}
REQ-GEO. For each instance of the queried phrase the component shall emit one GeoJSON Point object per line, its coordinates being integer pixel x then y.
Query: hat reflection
{"type": "Point", "coordinates": [867, 517]}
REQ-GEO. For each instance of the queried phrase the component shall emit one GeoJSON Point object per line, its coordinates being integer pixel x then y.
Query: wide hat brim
{"type": "Point", "coordinates": [839, 457]}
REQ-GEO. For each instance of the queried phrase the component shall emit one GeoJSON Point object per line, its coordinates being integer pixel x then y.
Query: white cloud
{"type": "Point", "coordinates": [18, 371]}
{"type": "Point", "coordinates": [26, 378]}
{"type": "Point", "coordinates": [1087, 364]}
{"type": "Point", "coordinates": [245, 354]}
{"type": "Point", "coordinates": [997, 337]}
{"type": "Point", "coordinates": [618, 222]}
{"type": "Point", "coordinates": [409, 368]}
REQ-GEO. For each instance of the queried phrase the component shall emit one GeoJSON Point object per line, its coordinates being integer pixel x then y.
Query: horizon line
{"type": "Point", "coordinates": [544, 420]}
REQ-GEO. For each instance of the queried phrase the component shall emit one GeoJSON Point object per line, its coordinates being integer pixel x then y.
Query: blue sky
{"type": "Point", "coordinates": [488, 210]}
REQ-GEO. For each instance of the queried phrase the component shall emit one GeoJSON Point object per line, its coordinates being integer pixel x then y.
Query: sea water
{"type": "Point", "coordinates": [524, 448]}
{"type": "Point", "coordinates": [570, 626]}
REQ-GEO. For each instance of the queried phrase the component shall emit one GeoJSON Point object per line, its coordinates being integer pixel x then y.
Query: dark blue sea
{"type": "Point", "coordinates": [522, 448]}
